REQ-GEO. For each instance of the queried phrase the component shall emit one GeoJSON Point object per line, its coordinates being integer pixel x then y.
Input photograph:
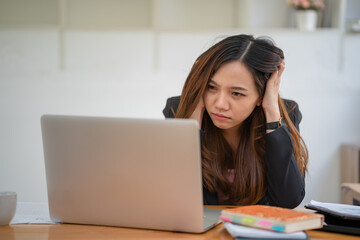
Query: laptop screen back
{"type": "Point", "coordinates": [141, 173]}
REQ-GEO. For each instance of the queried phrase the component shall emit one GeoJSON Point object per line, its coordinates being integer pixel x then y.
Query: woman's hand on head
{"type": "Point", "coordinates": [270, 102]}
{"type": "Point", "coordinates": [198, 112]}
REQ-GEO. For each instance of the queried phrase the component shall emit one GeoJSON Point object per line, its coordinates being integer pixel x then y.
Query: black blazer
{"type": "Point", "coordinates": [285, 184]}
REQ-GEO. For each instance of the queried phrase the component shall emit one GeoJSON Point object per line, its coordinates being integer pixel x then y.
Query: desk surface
{"type": "Point", "coordinates": [82, 232]}
{"type": "Point", "coordinates": [72, 231]}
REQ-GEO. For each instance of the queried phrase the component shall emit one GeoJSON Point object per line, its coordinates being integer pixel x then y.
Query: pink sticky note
{"type": "Point", "coordinates": [264, 223]}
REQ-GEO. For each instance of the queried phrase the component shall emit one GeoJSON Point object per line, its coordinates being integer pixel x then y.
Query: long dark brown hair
{"type": "Point", "coordinates": [261, 57]}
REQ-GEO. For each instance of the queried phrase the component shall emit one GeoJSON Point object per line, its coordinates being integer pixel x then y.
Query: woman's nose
{"type": "Point", "coordinates": [222, 102]}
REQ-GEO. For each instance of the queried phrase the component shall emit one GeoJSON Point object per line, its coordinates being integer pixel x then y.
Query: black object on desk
{"type": "Point", "coordinates": [340, 218]}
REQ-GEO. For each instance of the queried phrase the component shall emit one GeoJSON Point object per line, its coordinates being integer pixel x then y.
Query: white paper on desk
{"type": "Point", "coordinates": [31, 212]}
{"type": "Point", "coordinates": [239, 231]}
{"type": "Point", "coordinates": [338, 209]}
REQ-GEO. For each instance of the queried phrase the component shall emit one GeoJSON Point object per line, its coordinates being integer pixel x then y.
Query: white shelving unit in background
{"type": "Point", "coordinates": [164, 16]}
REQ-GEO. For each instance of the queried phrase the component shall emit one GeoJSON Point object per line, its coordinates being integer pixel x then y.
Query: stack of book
{"type": "Point", "coordinates": [267, 222]}
{"type": "Point", "coordinates": [342, 218]}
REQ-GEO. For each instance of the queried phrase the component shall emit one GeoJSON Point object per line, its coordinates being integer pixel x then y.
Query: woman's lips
{"type": "Point", "coordinates": [220, 117]}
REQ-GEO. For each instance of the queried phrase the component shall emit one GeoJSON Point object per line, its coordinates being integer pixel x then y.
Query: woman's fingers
{"type": "Point", "coordinates": [270, 99]}
{"type": "Point", "coordinates": [281, 70]}
{"type": "Point", "coordinates": [276, 76]}
{"type": "Point", "coordinates": [198, 112]}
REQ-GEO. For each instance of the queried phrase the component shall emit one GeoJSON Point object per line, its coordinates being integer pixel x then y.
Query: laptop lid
{"type": "Point", "coordinates": [142, 173]}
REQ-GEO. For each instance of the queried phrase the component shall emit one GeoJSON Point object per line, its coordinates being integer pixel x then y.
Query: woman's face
{"type": "Point", "coordinates": [231, 96]}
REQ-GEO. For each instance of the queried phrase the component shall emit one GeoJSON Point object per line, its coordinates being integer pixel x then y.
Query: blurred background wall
{"type": "Point", "coordinates": [123, 58]}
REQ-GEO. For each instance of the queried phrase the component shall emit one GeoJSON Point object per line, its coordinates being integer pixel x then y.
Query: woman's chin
{"type": "Point", "coordinates": [222, 126]}
{"type": "Point", "coordinates": [225, 125]}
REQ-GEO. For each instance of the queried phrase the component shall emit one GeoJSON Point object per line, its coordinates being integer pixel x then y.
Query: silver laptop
{"type": "Point", "coordinates": [141, 173]}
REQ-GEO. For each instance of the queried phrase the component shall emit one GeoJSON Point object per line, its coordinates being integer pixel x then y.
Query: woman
{"type": "Point", "coordinates": [252, 152]}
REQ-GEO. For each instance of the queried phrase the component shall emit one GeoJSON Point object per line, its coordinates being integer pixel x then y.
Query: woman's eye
{"type": "Point", "coordinates": [211, 87]}
{"type": "Point", "coordinates": [237, 94]}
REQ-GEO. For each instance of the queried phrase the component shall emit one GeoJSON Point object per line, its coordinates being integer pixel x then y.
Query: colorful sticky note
{"type": "Point", "coordinates": [264, 223]}
{"type": "Point", "coordinates": [278, 228]}
{"type": "Point", "coordinates": [247, 220]}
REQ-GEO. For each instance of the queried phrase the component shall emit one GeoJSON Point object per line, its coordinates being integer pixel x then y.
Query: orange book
{"type": "Point", "coordinates": [273, 218]}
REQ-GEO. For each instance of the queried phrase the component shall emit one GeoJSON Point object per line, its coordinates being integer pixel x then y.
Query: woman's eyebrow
{"type": "Point", "coordinates": [213, 82]}
{"type": "Point", "coordinates": [234, 87]}
{"type": "Point", "coordinates": [239, 88]}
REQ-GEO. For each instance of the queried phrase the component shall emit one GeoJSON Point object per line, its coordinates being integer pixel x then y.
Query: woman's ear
{"type": "Point", "coordinates": [259, 102]}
